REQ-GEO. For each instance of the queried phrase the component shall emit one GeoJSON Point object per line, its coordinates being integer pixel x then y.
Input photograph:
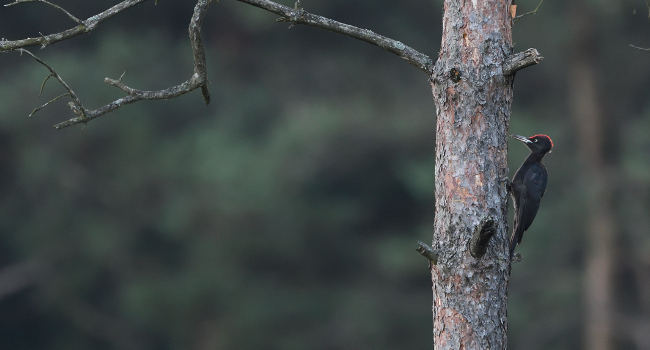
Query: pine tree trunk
{"type": "Point", "coordinates": [473, 102]}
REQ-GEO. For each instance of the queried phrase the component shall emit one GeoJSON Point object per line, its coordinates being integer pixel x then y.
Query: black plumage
{"type": "Point", "coordinates": [528, 185]}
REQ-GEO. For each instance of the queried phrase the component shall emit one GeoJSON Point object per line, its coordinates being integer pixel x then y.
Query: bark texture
{"type": "Point", "coordinates": [473, 101]}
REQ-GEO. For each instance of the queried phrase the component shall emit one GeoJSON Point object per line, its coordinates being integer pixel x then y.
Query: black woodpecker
{"type": "Point", "coordinates": [528, 185]}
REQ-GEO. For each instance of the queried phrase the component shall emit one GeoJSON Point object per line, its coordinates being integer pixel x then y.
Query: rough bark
{"type": "Point", "coordinates": [472, 89]}
{"type": "Point", "coordinates": [473, 101]}
{"type": "Point", "coordinates": [587, 111]}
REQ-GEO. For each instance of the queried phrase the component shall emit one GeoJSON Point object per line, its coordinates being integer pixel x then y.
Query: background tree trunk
{"type": "Point", "coordinates": [587, 112]}
{"type": "Point", "coordinates": [473, 101]}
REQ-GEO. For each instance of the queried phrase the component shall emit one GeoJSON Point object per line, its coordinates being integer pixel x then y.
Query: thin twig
{"type": "Point", "coordinates": [40, 93]}
{"type": "Point", "coordinates": [640, 48]}
{"type": "Point", "coordinates": [35, 110]}
{"type": "Point", "coordinates": [78, 107]}
{"type": "Point", "coordinates": [299, 16]}
{"type": "Point", "coordinates": [71, 16]}
{"type": "Point", "coordinates": [197, 80]}
{"type": "Point", "coordinates": [533, 12]}
{"type": "Point", "coordinates": [82, 28]}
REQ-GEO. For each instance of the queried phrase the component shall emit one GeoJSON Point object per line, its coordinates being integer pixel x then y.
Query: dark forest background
{"type": "Point", "coordinates": [284, 215]}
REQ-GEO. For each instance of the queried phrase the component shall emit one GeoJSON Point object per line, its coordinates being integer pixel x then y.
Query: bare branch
{"type": "Point", "coordinates": [197, 80]}
{"type": "Point", "coordinates": [84, 27]}
{"type": "Point", "coordinates": [72, 17]}
{"type": "Point", "coordinates": [73, 96]}
{"type": "Point", "coordinates": [640, 48]}
{"type": "Point", "coordinates": [198, 51]}
{"type": "Point", "coordinates": [40, 93]}
{"type": "Point", "coordinates": [35, 110]}
{"type": "Point", "coordinates": [297, 15]}
{"type": "Point", "coordinates": [533, 12]}
{"type": "Point", "coordinates": [521, 60]}
{"type": "Point", "coordinates": [426, 251]}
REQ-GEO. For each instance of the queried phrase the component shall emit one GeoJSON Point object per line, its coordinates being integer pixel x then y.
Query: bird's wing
{"type": "Point", "coordinates": [535, 180]}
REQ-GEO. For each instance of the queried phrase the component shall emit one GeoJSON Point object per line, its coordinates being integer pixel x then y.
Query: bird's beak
{"type": "Point", "coordinates": [523, 139]}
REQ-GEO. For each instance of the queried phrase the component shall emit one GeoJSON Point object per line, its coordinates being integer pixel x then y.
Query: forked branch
{"type": "Point", "coordinates": [82, 28]}
{"type": "Point", "coordinates": [197, 80]}
{"type": "Point", "coordinates": [83, 114]}
{"type": "Point", "coordinates": [75, 103]}
{"type": "Point", "coordinates": [295, 15]}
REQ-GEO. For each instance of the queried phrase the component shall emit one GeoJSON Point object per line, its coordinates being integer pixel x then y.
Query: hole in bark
{"type": "Point", "coordinates": [454, 75]}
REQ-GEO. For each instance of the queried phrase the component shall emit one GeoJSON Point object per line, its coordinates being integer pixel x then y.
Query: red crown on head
{"type": "Point", "coordinates": [542, 135]}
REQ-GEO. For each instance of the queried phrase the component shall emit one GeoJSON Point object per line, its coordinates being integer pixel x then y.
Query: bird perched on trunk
{"type": "Point", "coordinates": [528, 185]}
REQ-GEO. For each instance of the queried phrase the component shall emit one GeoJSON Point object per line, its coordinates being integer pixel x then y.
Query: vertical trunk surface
{"type": "Point", "coordinates": [600, 231]}
{"type": "Point", "coordinates": [473, 101]}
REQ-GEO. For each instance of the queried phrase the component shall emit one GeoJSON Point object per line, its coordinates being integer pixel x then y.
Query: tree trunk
{"type": "Point", "coordinates": [473, 102]}
{"type": "Point", "coordinates": [600, 230]}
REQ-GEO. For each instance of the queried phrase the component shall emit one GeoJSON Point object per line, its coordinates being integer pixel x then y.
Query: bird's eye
{"type": "Point", "coordinates": [534, 140]}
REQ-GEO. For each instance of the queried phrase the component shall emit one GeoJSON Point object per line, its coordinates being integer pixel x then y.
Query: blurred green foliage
{"type": "Point", "coordinates": [285, 214]}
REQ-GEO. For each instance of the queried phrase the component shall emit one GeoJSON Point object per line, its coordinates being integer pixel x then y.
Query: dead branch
{"type": "Point", "coordinates": [197, 80]}
{"type": "Point", "coordinates": [297, 15]}
{"type": "Point", "coordinates": [72, 17]}
{"type": "Point", "coordinates": [75, 102]}
{"type": "Point", "coordinates": [82, 28]}
{"type": "Point", "coordinates": [426, 251]}
{"type": "Point", "coordinates": [35, 110]}
{"type": "Point", "coordinates": [521, 60]}
{"type": "Point", "coordinates": [83, 114]}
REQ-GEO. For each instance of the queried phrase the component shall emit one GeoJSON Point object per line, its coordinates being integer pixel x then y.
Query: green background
{"type": "Point", "coordinates": [284, 215]}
